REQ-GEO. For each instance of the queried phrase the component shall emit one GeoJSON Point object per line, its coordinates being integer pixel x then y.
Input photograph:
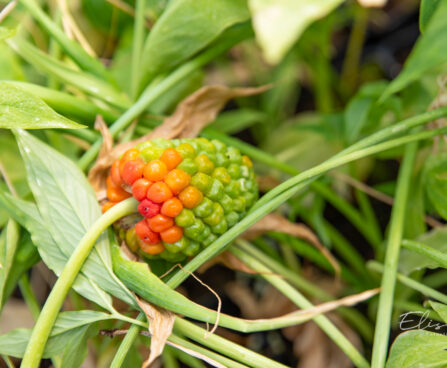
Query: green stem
{"type": "Point", "coordinates": [351, 315]}
{"type": "Point", "coordinates": [154, 91]}
{"type": "Point", "coordinates": [292, 186]}
{"type": "Point", "coordinates": [29, 297]}
{"type": "Point", "coordinates": [137, 45]}
{"type": "Point", "coordinates": [45, 322]}
{"type": "Point", "coordinates": [8, 361]}
{"type": "Point", "coordinates": [411, 283]}
{"type": "Point", "coordinates": [127, 342]}
{"type": "Point", "coordinates": [383, 323]}
{"type": "Point", "coordinates": [327, 326]}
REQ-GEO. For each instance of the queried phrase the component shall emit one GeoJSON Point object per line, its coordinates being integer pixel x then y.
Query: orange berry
{"type": "Point", "coordinates": [152, 249]}
{"type": "Point", "coordinates": [114, 192]}
{"type": "Point", "coordinates": [190, 197]}
{"type": "Point", "coordinates": [115, 173]}
{"type": "Point", "coordinates": [139, 189]}
{"type": "Point", "coordinates": [159, 192]}
{"type": "Point", "coordinates": [171, 157]}
{"type": "Point", "coordinates": [107, 206]}
{"type": "Point", "coordinates": [132, 171]}
{"type": "Point", "coordinates": [160, 223]}
{"type": "Point", "coordinates": [172, 207]}
{"type": "Point", "coordinates": [177, 180]}
{"type": "Point", "coordinates": [172, 235]}
{"type": "Point", "coordinates": [145, 233]}
{"type": "Point", "coordinates": [130, 155]}
{"type": "Point", "coordinates": [155, 170]}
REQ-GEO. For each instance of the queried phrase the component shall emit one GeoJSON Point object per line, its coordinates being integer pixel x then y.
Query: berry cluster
{"type": "Point", "coordinates": [190, 192]}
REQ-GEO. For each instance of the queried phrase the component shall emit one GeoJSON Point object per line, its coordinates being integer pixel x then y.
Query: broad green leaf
{"type": "Point", "coordinates": [186, 27]}
{"type": "Point", "coordinates": [69, 327]}
{"type": "Point", "coordinates": [411, 261]}
{"type": "Point", "coordinates": [68, 206]}
{"type": "Point", "coordinates": [427, 9]}
{"type": "Point", "coordinates": [6, 32]}
{"type": "Point", "coordinates": [27, 214]}
{"type": "Point", "coordinates": [20, 109]}
{"type": "Point", "coordinates": [8, 245]}
{"type": "Point", "coordinates": [426, 54]}
{"type": "Point", "coordinates": [76, 348]}
{"type": "Point", "coordinates": [418, 349]}
{"type": "Point", "coordinates": [435, 182]}
{"type": "Point", "coordinates": [279, 23]}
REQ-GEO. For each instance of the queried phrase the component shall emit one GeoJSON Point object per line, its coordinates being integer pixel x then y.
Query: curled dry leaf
{"type": "Point", "coordinates": [191, 116]}
{"type": "Point", "coordinates": [161, 323]}
{"type": "Point", "coordinates": [276, 222]}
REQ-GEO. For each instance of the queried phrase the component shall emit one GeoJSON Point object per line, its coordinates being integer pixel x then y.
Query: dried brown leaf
{"type": "Point", "coordinates": [276, 222]}
{"type": "Point", "coordinates": [191, 116]}
{"type": "Point", "coordinates": [161, 323]}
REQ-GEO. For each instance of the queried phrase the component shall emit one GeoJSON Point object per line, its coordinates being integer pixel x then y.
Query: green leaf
{"type": "Point", "coordinates": [8, 245]}
{"type": "Point", "coordinates": [411, 261]}
{"type": "Point", "coordinates": [68, 206]}
{"type": "Point", "coordinates": [69, 328]}
{"type": "Point", "coordinates": [20, 109]}
{"type": "Point", "coordinates": [418, 349]}
{"type": "Point", "coordinates": [279, 23]}
{"type": "Point", "coordinates": [186, 27]}
{"type": "Point", "coordinates": [426, 54]}
{"type": "Point", "coordinates": [426, 11]}
{"type": "Point", "coordinates": [6, 32]}
{"type": "Point", "coordinates": [27, 214]}
{"type": "Point", "coordinates": [439, 308]}
{"type": "Point", "coordinates": [435, 182]}
{"type": "Point", "coordinates": [76, 348]}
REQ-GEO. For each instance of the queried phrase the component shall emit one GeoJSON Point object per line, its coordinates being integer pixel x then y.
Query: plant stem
{"type": "Point", "coordinates": [292, 186]}
{"type": "Point", "coordinates": [45, 322]}
{"type": "Point", "coordinates": [327, 326]}
{"type": "Point", "coordinates": [411, 283]}
{"type": "Point", "coordinates": [351, 315]}
{"type": "Point", "coordinates": [29, 297]}
{"type": "Point", "coordinates": [137, 45]}
{"type": "Point", "coordinates": [385, 307]}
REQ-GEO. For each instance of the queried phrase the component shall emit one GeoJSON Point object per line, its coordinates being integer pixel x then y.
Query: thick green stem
{"type": "Point", "coordinates": [45, 322]}
{"type": "Point", "coordinates": [385, 308]}
{"type": "Point", "coordinates": [327, 326]}
{"type": "Point", "coordinates": [137, 44]}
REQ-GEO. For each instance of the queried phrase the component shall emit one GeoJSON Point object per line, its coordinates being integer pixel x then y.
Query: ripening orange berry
{"type": "Point", "coordinates": [107, 206]}
{"type": "Point", "coordinates": [139, 188]}
{"type": "Point", "coordinates": [115, 174]}
{"type": "Point", "coordinates": [172, 207]}
{"type": "Point", "coordinates": [152, 249]}
{"type": "Point", "coordinates": [132, 171]}
{"type": "Point", "coordinates": [171, 157]}
{"type": "Point", "coordinates": [130, 155]}
{"type": "Point", "coordinates": [172, 235]}
{"type": "Point", "coordinates": [177, 180]}
{"type": "Point", "coordinates": [190, 197]}
{"type": "Point", "coordinates": [145, 233]}
{"type": "Point", "coordinates": [114, 192]}
{"type": "Point", "coordinates": [155, 170]}
{"type": "Point", "coordinates": [159, 192]}
{"type": "Point", "coordinates": [160, 223]}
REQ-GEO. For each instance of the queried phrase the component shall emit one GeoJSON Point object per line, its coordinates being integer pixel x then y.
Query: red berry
{"type": "Point", "coordinates": [139, 189]}
{"type": "Point", "coordinates": [132, 171]}
{"type": "Point", "coordinates": [146, 234]}
{"type": "Point", "coordinates": [148, 208]}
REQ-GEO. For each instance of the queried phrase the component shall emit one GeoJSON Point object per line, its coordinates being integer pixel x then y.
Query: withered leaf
{"type": "Point", "coordinates": [191, 116]}
{"type": "Point", "coordinates": [161, 323]}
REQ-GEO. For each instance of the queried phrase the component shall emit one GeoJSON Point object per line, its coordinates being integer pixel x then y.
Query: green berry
{"type": "Point", "coordinates": [185, 218]}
